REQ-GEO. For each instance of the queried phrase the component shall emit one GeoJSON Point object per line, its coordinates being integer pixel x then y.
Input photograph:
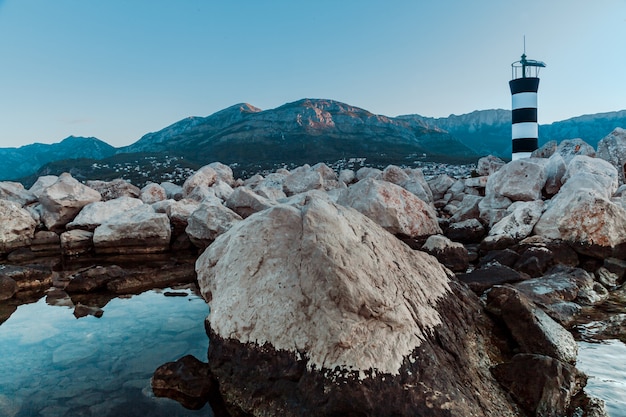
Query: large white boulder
{"type": "Point", "coordinates": [17, 227]}
{"type": "Point", "coordinates": [15, 191]}
{"type": "Point", "coordinates": [62, 201]}
{"type": "Point", "coordinates": [110, 190]}
{"type": "Point", "coordinates": [139, 230]}
{"type": "Point", "coordinates": [519, 180]}
{"type": "Point", "coordinates": [96, 213]}
{"type": "Point", "coordinates": [519, 223]}
{"type": "Point", "coordinates": [245, 202]}
{"type": "Point", "coordinates": [392, 207]}
{"type": "Point", "coordinates": [152, 193]}
{"type": "Point", "coordinates": [205, 176]}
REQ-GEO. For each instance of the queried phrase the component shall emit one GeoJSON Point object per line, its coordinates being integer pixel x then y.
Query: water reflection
{"type": "Point", "coordinates": [56, 365]}
{"type": "Point", "coordinates": [604, 363]}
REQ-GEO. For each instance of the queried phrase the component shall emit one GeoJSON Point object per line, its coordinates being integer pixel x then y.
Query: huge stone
{"type": "Point", "coordinates": [205, 176]}
{"type": "Point", "coordinates": [94, 214]}
{"type": "Point", "coordinates": [555, 170]}
{"type": "Point", "coordinates": [570, 148]}
{"type": "Point", "coordinates": [318, 311]}
{"type": "Point", "coordinates": [42, 183]}
{"type": "Point", "coordinates": [139, 230]}
{"type": "Point", "coordinates": [62, 201]}
{"type": "Point", "coordinates": [395, 209]}
{"type": "Point", "coordinates": [612, 148]}
{"type": "Point", "coordinates": [303, 179]}
{"type": "Point", "coordinates": [599, 174]}
{"type": "Point", "coordinates": [76, 242]}
{"type": "Point", "coordinates": [152, 193]}
{"type": "Point", "coordinates": [520, 222]}
{"type": "Point", "coordinates": [519, 180]}
{"type": "Point", "coordinates": [488, 165]}
{"type": "Point", "coordinates": [17, 227]}
{"type": "Point", "coordinates": [543, 386]}
{"type": "Point", "coordinates": [451, 254]}
{"type": "Point", "coordinates": [245, 202]}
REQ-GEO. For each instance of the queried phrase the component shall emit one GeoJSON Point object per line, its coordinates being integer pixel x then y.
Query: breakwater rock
{"type": "Point", "coordinates": [333, 292]}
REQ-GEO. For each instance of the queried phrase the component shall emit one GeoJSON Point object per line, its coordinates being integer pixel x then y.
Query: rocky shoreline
{"type": "Point", "coordinates": [330, 292]}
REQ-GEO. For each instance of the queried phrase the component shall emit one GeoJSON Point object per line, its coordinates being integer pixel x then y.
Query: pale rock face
{"type": "Point", "coordinates": [42, 183]}
{"type": "Point", "coordinates": [96, 213]}
{"type": "Point", "coordinates": [208, 221]}
{"type": "Point", "coordinates": [520, 222]}
{"type": "Point", "coordinates": [546, 150]}
{"type": "Point", "coordinates": [571, 148]}
{"type": "Point", "coordinates": [612, 148]}
{"type": "Point", "coordinates": [224, 173]}
{"type": "Point", "coordinates": [17, 227]}
{"type": "Point", "coordinates": [110, 190]}
{"type": "Point", "coordinates": [62, 201]}
{"type": "Point", "coordinates": [595, 173]}
{"type": "Point", "coordinates": [367, 172]}
{"type": "Point", "coordinates": [417, 184]}
{"type": "Point", "coordinates": [394, 175]}
{"type": "Point", "coordinates": [245, 202]}
{"type": "Point", "coordinates": [152, 193]}
{"type": "Point", "coordinates": [333, 285]}
{"type": "Point", "coordinates": [519, 180]}
{"type": "Point", "coordinates": [467, 209]}
{"type": "Point", "coordinates": [493, 208]}
{"type": "Point", "coordinates": [555, 170]}
{"type": "Point", "coordinates": [222, 189]}
{"type": "Point", "coordinates": [270, 187]}
{"type": "Point", "coordinates": [487, 165]}
{"type": "Point", "coordinates": [14, 191]}
{"type": "Point", "coordinates": [303, 179]}
{"type": "Point", "coordinates": [179, 212]}
{"type": "Point", "coordinates": [395, 209]}
{"type": "Point", "coordinates": [347, 176]}
{"type": "Point", "coordinates": [204, 176]}
{"type": "Point", "coordinates": [172, 191]}
{"type": "Point", "coordinates": [440, 185]}
{"type": "Point", "coordinates": [327, 173]}
{"type": "Point", "coordinates": [200, 193]}
{"type": "Point", "coordinates": [139, 230]}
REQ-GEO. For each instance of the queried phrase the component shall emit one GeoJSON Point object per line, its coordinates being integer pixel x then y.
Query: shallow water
{"type": "Point", "coordinates": [605, 364]}
{"type": "Point", "coordinates": [53, 364]}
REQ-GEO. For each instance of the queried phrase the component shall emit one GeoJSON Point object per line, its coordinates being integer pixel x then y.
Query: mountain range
{"type": "Point", "coordinates": [305, 131]}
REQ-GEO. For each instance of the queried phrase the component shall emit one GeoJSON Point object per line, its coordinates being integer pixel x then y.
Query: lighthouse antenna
{"type": "Point", "coordinates": [524, 44]}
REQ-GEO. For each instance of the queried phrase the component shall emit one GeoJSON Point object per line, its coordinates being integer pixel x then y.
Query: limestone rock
{"type": "Point", "coordinates": [533, 330]}
{"type": "Point", "coordinates": [17, 227]}
{"type": "Point", "coordinates": [546, 150]}
{"type": "Point", "coordinates": [519, 180]}
{"type": "Point", "coordinates": [392, 207]}
{"type": "Point", "coordinates": [205, 176]}
{"type": "Point", "coordinates": [318, 311]}
{"type": "Point", "coordinates": [179, 213]}
{"type": "Point", "coordinates": [520, 222]}
{"type": "Point", "coordinates": [224, 173]}
{"type": "Point", "coordinates": [543, 386]}
{"type": "Point", "coordinates": [555, 170]}
{"type": "Point", "coordinates": [76, 242]}
{"type": "Point", "coordinates": [94, 214]}
{"type": "Point", "coordinates": [152, 193]}
{"type": "Point", "coordinates": [488, 165]}
{"type": "Point", "coordinates": [110, 190]}
{"type": "Point", "coordinates": [451, 254]}
{"type": "Point", "coordinates": [303, 179]}
{"type": "Point", "coordinates": [62, 201]}
{"type": "Point", "coordinates": [14, 191]}
{"type": "Point", "coordinates": [368, 172]}
{"type": "Point", "coordinates": [440, 185]}
{"type": "Point", "coordinates": [28, 278]}
{"type": "Point", "coordinates": [468, 209]}
{"type": "Point", "coordinates": [593, 173]}
{"type": "Point", "coordinates": [481, 279]}
{"type": "Point", "coordinates": [245, 202]}
{"type": "Point", "coordinates": [208, 221]}
{"type": "Point", "coordinates": [612, 148]}
{"type": "Point", "coordinates": [347, 176]}
{"type": "Point", "coordinates": [493, 208]}
{"type": "Point", "coordinates": [172, 191]}
{"type": "Point", "coordinates": [571, 148]}
{"type": "Point", "coordinates": [42, 183]}
{"type": "Point", "coordinates": [139, 230]}
{"type": "Point", "coordinates": [221, 189]}
{"type": "Point", "coordinates": [45, 242]}
{"type": "Point", "coordinates": [94, 278]}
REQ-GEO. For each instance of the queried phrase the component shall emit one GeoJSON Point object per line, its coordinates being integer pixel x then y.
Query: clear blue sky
{"type": "Point", "coordinates": [118, 69]}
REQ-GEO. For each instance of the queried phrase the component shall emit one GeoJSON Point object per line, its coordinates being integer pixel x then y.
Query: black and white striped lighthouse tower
{"type": "Point", "coordinates": [524, 85]}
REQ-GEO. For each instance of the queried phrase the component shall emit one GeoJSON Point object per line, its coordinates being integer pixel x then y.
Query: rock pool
{"type": "Point", "coordinates": [56, 365]}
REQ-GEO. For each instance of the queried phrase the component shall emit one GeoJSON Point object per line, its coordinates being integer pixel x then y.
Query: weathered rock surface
{"type": "Point", "coordinates": [570, 148]}
{"type": "Point", "coordinates": [245, 202]}
{"type": "Point", "coordinates": [76, 242]}
{"type": "Point", "coordinates": [152, 193]}
{"type": "Point", "coordinates": [17, 226]}
{"type": "Point", "coordinates": [14, 191]}
{"type": "Point", "coordinates": [208, 221]}
{"type": "Point", "coordinates": [62, 201]}
{"type": "Point", "coordinates": [94, 214]}
{"type": "Point", "coordinates": [8, 287]}
{"type": "Point", "coordinates": [452, 255]}
{"type": "Point", "coordinates": [612, 148]}
{"type": "Point", "coordinates": [520, 222]}
{"type": "Point", "coordinates": [481, 279]}
{"type": "Point", "coordinates": [205, 176]}
{"type": "Point", "coordinates": [318, 311]}
{"type": "Point", "coordinates": [395, 209]}
{"type": "Point", "coordinates": [466, 231]}
{"type": "Point", "coordinates": [488, 165]}
{"type": "Point", "coordinates": [139, 230]}
{"type": "Point", "coordinates": [519, 180]}
{"type": "Point", "coordinates": [110, 190]}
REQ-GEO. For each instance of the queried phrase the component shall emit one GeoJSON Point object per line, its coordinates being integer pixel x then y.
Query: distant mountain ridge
{"type": "Point", "coordinates": [304, 131]}
{"type": "Point", "coordinates": [25, 160]}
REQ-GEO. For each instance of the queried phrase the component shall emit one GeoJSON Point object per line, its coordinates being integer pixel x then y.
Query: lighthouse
{"type": "Point", "coordinates": [524, 85]}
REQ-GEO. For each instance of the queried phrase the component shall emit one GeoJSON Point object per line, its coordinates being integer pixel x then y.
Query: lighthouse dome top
{"type": "Point", "coordinates": [526, 68]}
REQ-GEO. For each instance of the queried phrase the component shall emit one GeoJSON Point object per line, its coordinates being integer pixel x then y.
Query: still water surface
{"type": "Point", "coordinates": [53, 364]}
